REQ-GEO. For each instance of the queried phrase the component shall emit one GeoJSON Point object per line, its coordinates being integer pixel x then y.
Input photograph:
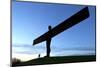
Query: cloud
{"type": "Point", "coordinates": [27, 46]}
{"type": "Point", "coordinates": [27, 49]}
{"type": "Point", "coordinates": [55, 50]}
{"type": "Point", "coordinates": [79, 48]}
{"type": "Point", "coordinates": [25, 52]}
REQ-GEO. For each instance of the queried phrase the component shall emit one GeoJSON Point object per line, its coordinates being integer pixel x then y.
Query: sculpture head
{"type": "Point", "coordinates": [49, 27]}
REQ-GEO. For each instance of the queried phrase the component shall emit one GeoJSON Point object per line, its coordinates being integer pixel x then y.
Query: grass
{"type": "Point", "coordinates": [57, 60]}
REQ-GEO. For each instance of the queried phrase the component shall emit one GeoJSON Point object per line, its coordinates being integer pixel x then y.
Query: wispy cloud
{"type": "Point", "coordinates": [29, 49]}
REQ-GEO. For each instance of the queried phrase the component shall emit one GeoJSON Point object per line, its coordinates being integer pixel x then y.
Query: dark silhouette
{"type": "Point", "coordinates": [15, 61]}
{"type": "Point", "coordinates": [66, 24]}
{"type": "Point", "coordinates": [48, 42]}
{"type": "Point", "coordinates": [57, 60]}
{"type": "Point", "coordinates": [39, 56]}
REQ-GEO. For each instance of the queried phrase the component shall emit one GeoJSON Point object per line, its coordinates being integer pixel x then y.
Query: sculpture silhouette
{"type": "Point", "coordinates": [66, 24]}
{"type": "Point", "coordinates": [48, 42]}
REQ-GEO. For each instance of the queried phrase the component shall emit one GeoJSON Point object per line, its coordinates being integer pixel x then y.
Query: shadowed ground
{"type": "Point", "coordinates": [57, 60]}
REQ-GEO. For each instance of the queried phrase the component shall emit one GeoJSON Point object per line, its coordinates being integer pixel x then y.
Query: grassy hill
{"type": "Point", "coordinates": [57, 60]}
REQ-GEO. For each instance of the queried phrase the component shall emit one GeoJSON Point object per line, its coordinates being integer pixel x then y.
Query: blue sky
{"type": "Point", "coordinates": [30, 20]}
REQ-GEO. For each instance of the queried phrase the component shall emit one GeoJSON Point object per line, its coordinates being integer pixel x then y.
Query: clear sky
{"type": "Point", "coordinates": [30, 20]}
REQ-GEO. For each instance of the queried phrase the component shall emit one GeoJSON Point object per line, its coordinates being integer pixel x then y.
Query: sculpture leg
{"type": "Point", "coordinates": [48, 48]}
